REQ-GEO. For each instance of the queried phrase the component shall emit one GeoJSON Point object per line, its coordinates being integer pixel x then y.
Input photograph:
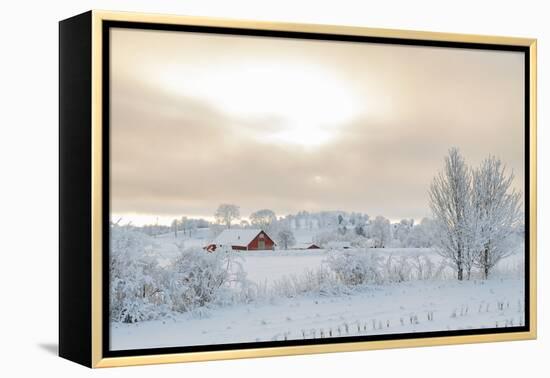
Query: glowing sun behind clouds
{"type": "Point", "coordinates": [309, 102]}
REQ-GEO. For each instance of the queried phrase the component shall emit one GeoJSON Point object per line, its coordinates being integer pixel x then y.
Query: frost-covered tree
{"type": "Point", "coordinates": [450, 203]}
{"type": "Point", "coordinates": [264, 219]}
{"type": "Point", "coordinates": [497, 213]}
{"type": "Point", "coordinates": [175, 226]}
{"type": "Point", "coordinates": [476, 213]}
{"type": "Point", "coordinates": [215, 229]}
{"type": "Point", "coordinates": [380, 231]}
{"type": "Point", "coordinates": [360, 230]}
{"type": "Point", "coordinates": [402, 231]}
{"type": "Point", "coordinates": [422, 234]}
{"type": "Point", "coordinates": [285, 238]}
{"type": "Point", "coordinates": [227, 213]}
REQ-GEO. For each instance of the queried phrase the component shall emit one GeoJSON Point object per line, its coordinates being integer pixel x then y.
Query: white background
{"type": "Point", "coordinates": [29, 174]}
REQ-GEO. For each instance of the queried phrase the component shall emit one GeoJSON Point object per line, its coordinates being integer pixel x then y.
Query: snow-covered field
{"type": "Point", "coordinates": [397, 308]}
{"type": "Point", "coordinates": [268, 266]}
{"type": "Point", "coordinates": [413, 306]}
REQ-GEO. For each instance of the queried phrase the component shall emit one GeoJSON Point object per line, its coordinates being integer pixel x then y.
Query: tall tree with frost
{"type": "Point", "coordinates": [497, 211]}
{"type": "Point", "coordinates": [380, 231]}
{"type": "Point", "coordinates": [227, 213]}
{"type": "Point", "coordinates": [402, 231]}
{"type": "Point", "coordinates": [264, 219]}
{"type": "Point", "coordinates": [421, 235]}
{"type": "Point", "coordinates": [450, 203]}
{"type": "Point", "coordinates": [285, 237]}
{"type": "Point", "coordinates": [175, 225]}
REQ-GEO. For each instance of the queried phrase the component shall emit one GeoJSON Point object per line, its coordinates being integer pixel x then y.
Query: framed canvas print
{"type": "Point", "coordinates": [236, 189]}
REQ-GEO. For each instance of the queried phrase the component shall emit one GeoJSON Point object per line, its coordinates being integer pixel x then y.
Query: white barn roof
{"type": "Point", "coordinates": [238, 238]}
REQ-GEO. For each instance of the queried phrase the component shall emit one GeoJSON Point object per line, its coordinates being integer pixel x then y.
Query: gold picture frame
{"type": "Point", "coordinates": [82, 205]}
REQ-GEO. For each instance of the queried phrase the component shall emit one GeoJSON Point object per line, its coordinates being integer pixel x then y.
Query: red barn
{"type": "Point", "coordinates": [243, 240]}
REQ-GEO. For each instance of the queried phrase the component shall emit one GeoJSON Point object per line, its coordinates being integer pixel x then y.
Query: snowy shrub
{"type": "Point", "coordinates": [141, 289]}
{"type": "Point", "coordinates": [319, 282]}
{"type": "Point", "coordinates": [237, 288]}
{"type": "Point", "coordinates": [415, 267]}
{"type": "Point", "coordinates": [198, 279]}
{"type": "Point", "coordinates": [425, 269]}
{"type": "Point", "coordinates": [355, 268]}
{"type": "Point", "coordinates": [510, 269]}
{"type": "Point", "coordinates": [135, 292]}
{"type": "Point", "coordinates": [397, 269]}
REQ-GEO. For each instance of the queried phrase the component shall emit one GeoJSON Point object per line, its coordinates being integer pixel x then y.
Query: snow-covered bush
{"type": "Point", "coordinates": [237, 287]}
{"type": "Point", "coordinates": [397, 269]}
{"type": "Point", "coordinates": [423, 268]}
{"type": "Point", "coordinates": [135, 290]}
{"type": "Point", "coordinates": [198, 279]}
{"type": "Point", "coordinates": [195, 278]}
{"type": "Point", "coordinates": [319, 282]}
{"type": "Point", "coordinates": [141, 289]}
{"type": "Point", "coordinates": [353, 268]}
{"type": "Point", "coordinates": [356, 268]}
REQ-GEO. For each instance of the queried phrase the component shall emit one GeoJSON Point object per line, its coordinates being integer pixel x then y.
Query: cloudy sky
{"type": "Point", "coordinates": [286, 124]}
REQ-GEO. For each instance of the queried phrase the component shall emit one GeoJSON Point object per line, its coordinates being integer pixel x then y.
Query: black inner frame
{"type": "Point", "coordinates": [106, 27]}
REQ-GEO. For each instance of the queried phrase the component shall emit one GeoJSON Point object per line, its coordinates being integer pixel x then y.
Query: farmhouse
{"type": "Point", "coordinates": [242, 240]}
{"type": "Point", "coordinates": [302, 246]}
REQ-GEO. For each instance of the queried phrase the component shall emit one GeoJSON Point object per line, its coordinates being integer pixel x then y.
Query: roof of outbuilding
{"type": "Point", "coordinates": [304, 245]}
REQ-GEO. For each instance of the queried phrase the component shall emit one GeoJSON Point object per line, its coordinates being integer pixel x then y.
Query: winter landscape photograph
{"type": "Point", "coordinates": [279, 189]}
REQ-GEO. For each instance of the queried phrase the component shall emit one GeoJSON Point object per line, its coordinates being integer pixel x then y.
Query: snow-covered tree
{"type": "Point", "coordinates": [360, 230]}
{"type": "Point", "coordinates": [450, 203]}
{"type": "Point", "coordinates": [422, 234]}
{"type": "Point", "coordinates": [476, 213]}
{"type": "Point", "coordinates": [264, 219]}
{"type": "Point", "coordinates": [380, 231]}
{"type": "Point", "coordinates": [285, 238]}
{"type": "Point", "coordinates": [215, 229]}
{"type": "Point", "coordinates": [497, 213]}
{"type": "Point", "coordinates": [175, 226]}
{"type": "Point", "coordinates": [402, 231]}
{"type": "Point", "coordinates": [227, 213]}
